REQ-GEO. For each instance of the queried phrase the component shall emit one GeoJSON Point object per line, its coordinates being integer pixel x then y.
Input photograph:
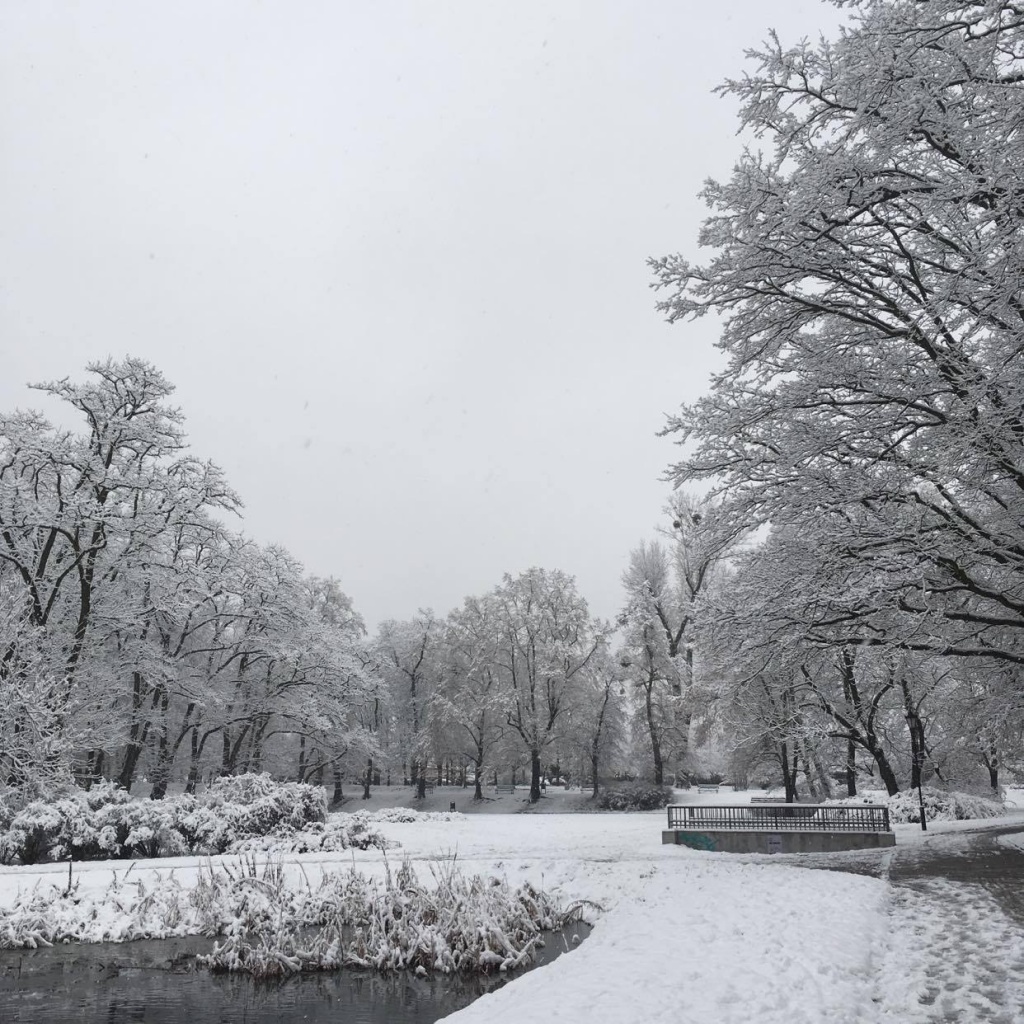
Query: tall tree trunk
{"type": "Point", "coordinates": [136, 734]}
{"type": "Point", "coordinates": [888, 776]}
{"type": "Point", "coordinates": [534, 776]}
{"type": "Point", "coordinates": [164, 752]}
{"type": "Point", "coordinates": [193, 763]}
{"type": "Point", "coordinates": [338, 794]}
{"type": "Point", "coordinates": [368, 778]}
{"type": "Point", "coordinates": [94, 767]}
{"type": "Point", "coordinates": [132, 753]}
{"type": "Point", "coordinates": [652, 728]}
{"type": "Point", "coordinates": [851, 768]}
{"type": "Point", "coordinates": [790, 770]}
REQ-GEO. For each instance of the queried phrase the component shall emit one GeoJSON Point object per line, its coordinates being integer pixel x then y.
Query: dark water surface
{"type": "Point", "coordinates": [156, 982]}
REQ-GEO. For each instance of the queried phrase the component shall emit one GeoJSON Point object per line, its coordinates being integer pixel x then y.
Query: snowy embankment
{"type": "Point", "coordinates": [685, 936]}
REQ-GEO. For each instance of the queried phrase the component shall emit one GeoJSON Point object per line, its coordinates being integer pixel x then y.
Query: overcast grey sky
{"type": "Point", "coordinates": [391, 254]}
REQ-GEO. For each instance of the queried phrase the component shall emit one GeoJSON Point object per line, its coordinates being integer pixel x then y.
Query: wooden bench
{"type": "Point", "coordinates": [505, 789]}
{"type": "Point", "coordinates": [709, 788]}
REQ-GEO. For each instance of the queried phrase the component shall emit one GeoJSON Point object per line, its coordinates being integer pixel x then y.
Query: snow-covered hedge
{"type": "Point", "coordinates": [105, 822]}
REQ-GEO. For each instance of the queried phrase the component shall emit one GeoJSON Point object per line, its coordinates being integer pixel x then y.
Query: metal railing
{"type": "Point", "coordinates": [779, 817]}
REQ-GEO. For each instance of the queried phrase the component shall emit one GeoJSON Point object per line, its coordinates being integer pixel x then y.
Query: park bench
{"type": "Point", "coordinates": [776, 827]}
{"type": "Point", "coordinates": [507, 788]}
{"type": "Point", "coordinates": [708, 788]}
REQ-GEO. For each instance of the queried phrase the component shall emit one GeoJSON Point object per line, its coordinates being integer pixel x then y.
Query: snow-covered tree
{"type": "Point", "coordinates": [545, 640]}
{"type": "Point", "coordinates": [469, 698]}
{"type": "Point", "coordinates": [407, 658]}
{"type": "Point", "coordinates": [81, 512]}
{"type": "Point", "coordinates": [665, 585]}
{"type": "Point", "coordinates": [869, 269]}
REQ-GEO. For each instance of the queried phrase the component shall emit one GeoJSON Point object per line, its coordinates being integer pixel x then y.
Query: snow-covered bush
{"type": "Point", "coordinates": [341, 832]}
{"type": "Point", "coordinates": [256, 805]}
{"type": "Point", "coordinates": [105, 822]}
{"type": "Point", "coordinates": [941, 806]}
{"type": "Point", "coordinates": [405, 815]}
{"type": "Point", "coordinates": [637, 797]}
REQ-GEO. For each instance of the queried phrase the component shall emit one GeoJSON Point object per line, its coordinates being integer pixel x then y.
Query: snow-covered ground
{"type": "Point", "coordinates": [687, 936]}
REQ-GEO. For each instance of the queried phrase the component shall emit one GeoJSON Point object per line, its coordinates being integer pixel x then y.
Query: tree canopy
{"type": "Point", "coordinates": [868, 271]}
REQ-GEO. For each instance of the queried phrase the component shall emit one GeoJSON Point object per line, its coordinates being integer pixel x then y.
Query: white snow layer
{"type": "Point", "coordinates": [687, 936]}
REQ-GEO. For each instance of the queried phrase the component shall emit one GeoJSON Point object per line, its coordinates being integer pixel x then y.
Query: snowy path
{"type": "Point", "coordinates": [955, 946]}
{"type": "Point", "coordinates": [958, 919]}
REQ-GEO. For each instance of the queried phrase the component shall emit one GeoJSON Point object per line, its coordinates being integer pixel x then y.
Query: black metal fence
{"type": "Point", "coordinates": [779, 818]}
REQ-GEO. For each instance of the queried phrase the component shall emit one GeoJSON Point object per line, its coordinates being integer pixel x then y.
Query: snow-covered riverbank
{"type": "Point", "coordinates": [685, 936]}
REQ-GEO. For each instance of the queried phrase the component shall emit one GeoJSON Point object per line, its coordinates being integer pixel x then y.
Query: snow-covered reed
{"type": "Point", "coordinates": [457, 923]}
{"type": "Point", "coordinates": [270, 926]}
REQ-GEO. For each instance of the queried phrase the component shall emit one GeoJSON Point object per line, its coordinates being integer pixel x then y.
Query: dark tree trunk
{"type": "Point", "coordinates": [368, 778]}
{"type": "Point", "coordinates": [789, 771]}
{"type": "Point", "coordinates": [164, 751]}
{"type": "Point", "coordinates": [193, 763]}
{"type": "Point", "coordinates": [195, 754]}
{"type": "Point", "coordinates": [851, 768]}
{"type": "Point", "coordinates": [478, 769]}
{"type": "Point", "coordinates": [136, 734]}
{"type": "Point", "coordinates": [534, 776]}
{"type": "Point", "coordinates": [887, 775]}
{"type": "Point", "coordinates": [132, 753]}
{"type": "Point", "coordinates": [659, 762]}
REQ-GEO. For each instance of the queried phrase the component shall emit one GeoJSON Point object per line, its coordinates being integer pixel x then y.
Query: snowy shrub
{"type": "Point", "coordinates": [636, 797]}
{"type": "Point", "coordinates": [396, 815]}
{"type": "Point", "coordinates": [105, 822]}
{"type": "Point", "coordinates": [406, 815]}
{"type": "Point", "coordinates": [941, 806]}
{"type": "Point", "coordinates": [202, 829]}
{"type": "Point", "coordinates": [33, 833]}
{"type": "Point", "coordinates": [342, 832]}
{"type": "Point", "coordinates": [256, 805]}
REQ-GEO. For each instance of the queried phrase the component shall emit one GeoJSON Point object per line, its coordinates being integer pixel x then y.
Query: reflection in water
{"type": "Point", "coordinates": [154, 982]}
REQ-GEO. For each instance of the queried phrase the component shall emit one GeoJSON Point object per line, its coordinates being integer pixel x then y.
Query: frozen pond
{"type": "Point", "coordinates": [156, 982]}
